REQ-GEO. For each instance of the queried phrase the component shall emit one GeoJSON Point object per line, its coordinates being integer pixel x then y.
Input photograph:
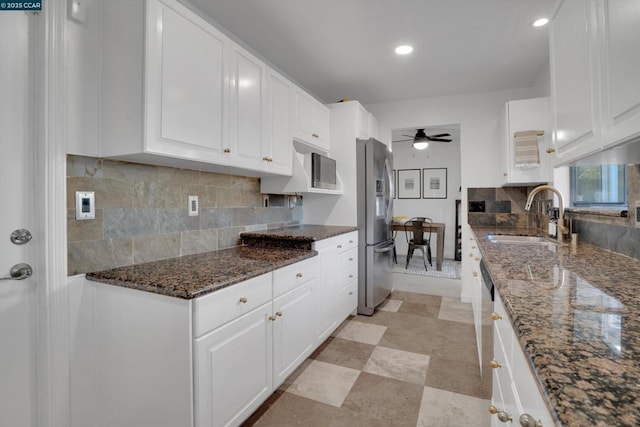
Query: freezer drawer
{"type": "Point", "coordinates": [375, 281]}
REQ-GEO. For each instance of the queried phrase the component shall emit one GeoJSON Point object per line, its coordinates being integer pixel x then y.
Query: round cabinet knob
{"type": "Point", "coordinates": [496, 316]}
{"type": "Point", "coordinates": [279, 313]}
{"type": "Point", "coordinates": [502, 416]}
{"type": "Point", "coordinates": [339, 246]}
{"type": "Point", "coordinates": [527, 420]}
{"type": "Point", "coordinates": [505, 174]}
{"type": "Point", "coordinates": [299, 275]}
{"type": "Point", "coordinates": [351, 276]}
{"type": "Point", "coordinates": [350, 259]}
{"type": "Point", "coordinates": [272, 318]}
{"type": "Point", "coordinates": [473, 247]}
{"type": "Point", "coordinates": [350, 242]}
{"type": "Point", "coordinates": [495, 364]}
{"type": "Point", "coordinates": [227, 150]}
{"type": "Point", "coordinates": [265, 158]}
{"type": "Point", "coordinates": [470, 255]}
{"type": "Point", "coordinates": [551, 150]}
{"type": "Point", "coordinates": [350, 292]}
{"type": "Point", "coordinates": [243, 300]}
{"type": "Point", "coordinates": [475, 274]}
{"type": "Point", "coordinates": [477, 259]}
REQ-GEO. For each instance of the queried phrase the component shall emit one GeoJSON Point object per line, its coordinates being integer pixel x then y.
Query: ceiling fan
{"type": "Point", "coordinates": [421, 139]}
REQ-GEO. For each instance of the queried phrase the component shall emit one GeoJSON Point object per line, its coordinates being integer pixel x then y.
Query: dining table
{"type": "Point", "coordinates": [437, 227]}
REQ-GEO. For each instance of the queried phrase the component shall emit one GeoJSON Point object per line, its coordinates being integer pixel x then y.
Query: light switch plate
{"type": "Point", "coordinates": [77, 10]}
{"type": "Point", "coordinates": [193, 205]}
{"type": "Point", "coordinates": [85, 205]}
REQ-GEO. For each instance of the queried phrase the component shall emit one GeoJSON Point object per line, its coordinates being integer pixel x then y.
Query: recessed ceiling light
{"type": "Point", "coordinates": [404, 50]}
{"type": "Point", "coordinates": [540, 22]}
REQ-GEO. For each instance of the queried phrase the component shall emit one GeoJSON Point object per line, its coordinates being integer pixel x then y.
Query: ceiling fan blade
{"type": "Point", "coordinates": [438, 139]}
{"type": "Point", "coordinates": [440, 135]}
{"type": "Point", "coordinates": [409, 136]}
{"type": "Point", "coordinates": [404, 140]}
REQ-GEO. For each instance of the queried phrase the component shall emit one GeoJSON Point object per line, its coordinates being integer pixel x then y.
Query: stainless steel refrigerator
{"type": "Point", "coordinates": [375, 235]}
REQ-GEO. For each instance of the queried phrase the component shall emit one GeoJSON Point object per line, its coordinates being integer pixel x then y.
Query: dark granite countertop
{"type": "Point", "coordinates": [192, 276]}
{"type": "Point", "coordinates": [299, 236]}
{"type": "Point", "coordinates": [576, 312]}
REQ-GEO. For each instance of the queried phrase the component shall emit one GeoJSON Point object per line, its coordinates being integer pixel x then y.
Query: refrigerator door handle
{"type": "Point", "coordinates": [386, 249]}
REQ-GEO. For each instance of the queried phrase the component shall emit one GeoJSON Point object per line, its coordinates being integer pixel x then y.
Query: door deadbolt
{"type": "Point", "coordinates": [21, 236]}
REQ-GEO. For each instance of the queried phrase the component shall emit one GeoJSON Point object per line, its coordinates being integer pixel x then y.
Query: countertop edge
{"type": "Point", "coordinates": [181, 294]}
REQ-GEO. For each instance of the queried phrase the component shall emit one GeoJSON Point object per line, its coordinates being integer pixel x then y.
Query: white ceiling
{"type": "Point", "coordinates": [344, 48]}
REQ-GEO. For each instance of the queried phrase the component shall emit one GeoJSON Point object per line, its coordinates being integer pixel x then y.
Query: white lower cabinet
{"type": "Point", "coordinates": [337, 289]}
{"type": "Point", "coordinates": [293, 332]}
{"type": "Point", "coordinates": [515, 390]}
{"type": "Point", "coordinates": [213, 360]}
{"type": "Point", "coordinates": [233, 369]}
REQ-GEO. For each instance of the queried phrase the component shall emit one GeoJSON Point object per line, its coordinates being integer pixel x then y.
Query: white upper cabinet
{"type": "Point", "coordinates": [167, 99]}
{"type": "Point", "coordinates": [574, 85]}
{"type": "Point", "coordinates": [246, 104]}
{"type": "Point", "coordinates": [176, 91]}
{"type": "Point", "coordinates": [374, 127]}
{"type": "Point", "coordinates": [277, 150]}
{"type": "Point", "coordinates": [621, 70]}
{"type": "Point", "coordinates": [520, 116]}
{"type": "Point", "coordinates": [311, 120]}
{"type": "Point", "coordinates": [362, 122]}
{"type": "Point", "coordinates": [594, 76]}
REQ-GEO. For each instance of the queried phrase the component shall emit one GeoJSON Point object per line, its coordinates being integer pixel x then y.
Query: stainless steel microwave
{"type": "Point", "coordinates": [323, 171]}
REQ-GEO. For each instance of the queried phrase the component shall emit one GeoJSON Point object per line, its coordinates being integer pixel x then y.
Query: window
{"type": "Point", "coordinates": [604, 185]}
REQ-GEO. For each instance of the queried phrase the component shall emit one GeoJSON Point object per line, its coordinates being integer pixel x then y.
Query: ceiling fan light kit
{"type": "Point", "coordinates": [420, 145]}
{"type": "Point", "coordinates": [421, 140]}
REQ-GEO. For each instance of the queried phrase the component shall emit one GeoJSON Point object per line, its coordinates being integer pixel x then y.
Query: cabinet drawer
{"type": "Point", "coordinates": [291, 276]}
{"type": "Point", "coordinates": [347, 241]}
{"type": "Point", "coordinates": [348, 259]}
{"type": "Point", "coordinates": [346, 276]}
{"type": "Point", "coordinates": [222, 306]}
{"type": "Point", "coordinates": [348, 300]}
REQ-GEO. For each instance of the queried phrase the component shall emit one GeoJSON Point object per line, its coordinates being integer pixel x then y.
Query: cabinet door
{"type": "Point", "coordinates": [522, 115]}
{"type": "Point", "coordinates": [293, 337]}
{"type": "Point", "coordinates": [322, 126]}
{"type": "Point", "coordinates": [277, 148]}
{"type": "Point", "coordinates": [246, 102]}
{"type": "Point", "coordinates": [185, 88]}
{"type": "Point", "coordinates": [326, 292]}
{"type": "Point", "coordinates": [233, 369]}
{"type": "Point", "coordinates": [573, 85]}
{"type": "Point", "coordinates": [621, 68]}
{"type": "Point", "coordinates": [304, 111]}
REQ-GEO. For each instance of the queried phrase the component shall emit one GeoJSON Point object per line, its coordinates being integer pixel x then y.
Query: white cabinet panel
{"type": "Point", "coordinates": [574, 86]}
{"type": "Point", "coordinates": [220, 307]}
{"type": "Point", "coordinates": [515, 389]}
{"type": "Point", "coordinates": [293, 333]}
{"type": "Point", "coordinates": [527, 115]}
{"type": "Point", "coordinates": [362, 122]}
{"type": "Point", "coordinates": [233, 369]}
{"type": "Point", "coordinates": [311, 120]}
{"type": "Point", "coordinates": [186, 81]}
{"type": "Point", "coordinates": [246, 101]}
{"type": "Point", "coordinates": [277, 142]}
{"type": "Point", "coordinates": [621, 68]}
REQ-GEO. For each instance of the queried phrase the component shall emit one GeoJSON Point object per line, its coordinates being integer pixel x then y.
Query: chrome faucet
{"type": "Point", "coordinates": [561, 228]}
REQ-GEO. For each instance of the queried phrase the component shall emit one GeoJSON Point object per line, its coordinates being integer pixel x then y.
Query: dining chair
{"type": "Point", "coordinates": [418, 238]}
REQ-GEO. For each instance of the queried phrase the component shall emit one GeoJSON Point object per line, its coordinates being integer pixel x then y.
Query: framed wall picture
{"type": "Point", "coordinates": [408, 183]}
{"type": "Point", "coordinates": [434, 185]}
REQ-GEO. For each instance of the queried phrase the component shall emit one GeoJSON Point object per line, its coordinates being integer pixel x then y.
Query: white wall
{"type": "Point", "coordinates": [478, 116]}
{"type": "Point", "coordinates": [438, 155]}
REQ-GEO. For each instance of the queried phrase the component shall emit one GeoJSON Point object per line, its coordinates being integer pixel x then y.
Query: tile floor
{"type": "Point", "coordinates": [413, 363]}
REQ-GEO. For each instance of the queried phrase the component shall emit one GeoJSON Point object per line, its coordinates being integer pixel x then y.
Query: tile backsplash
{"type": "Point", "coordinates": [614, 230]}
{"type": "Point", "coordinates": [141, 212]}
{"type": "Point", "coordinates": [504, 207]}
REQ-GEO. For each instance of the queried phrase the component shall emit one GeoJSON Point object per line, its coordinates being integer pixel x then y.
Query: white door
{"type": "Point", "coordinates": [18, 390]}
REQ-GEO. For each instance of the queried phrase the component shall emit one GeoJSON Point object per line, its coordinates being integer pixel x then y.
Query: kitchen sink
{"type": "Point", "coordinates": [522, 240]}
